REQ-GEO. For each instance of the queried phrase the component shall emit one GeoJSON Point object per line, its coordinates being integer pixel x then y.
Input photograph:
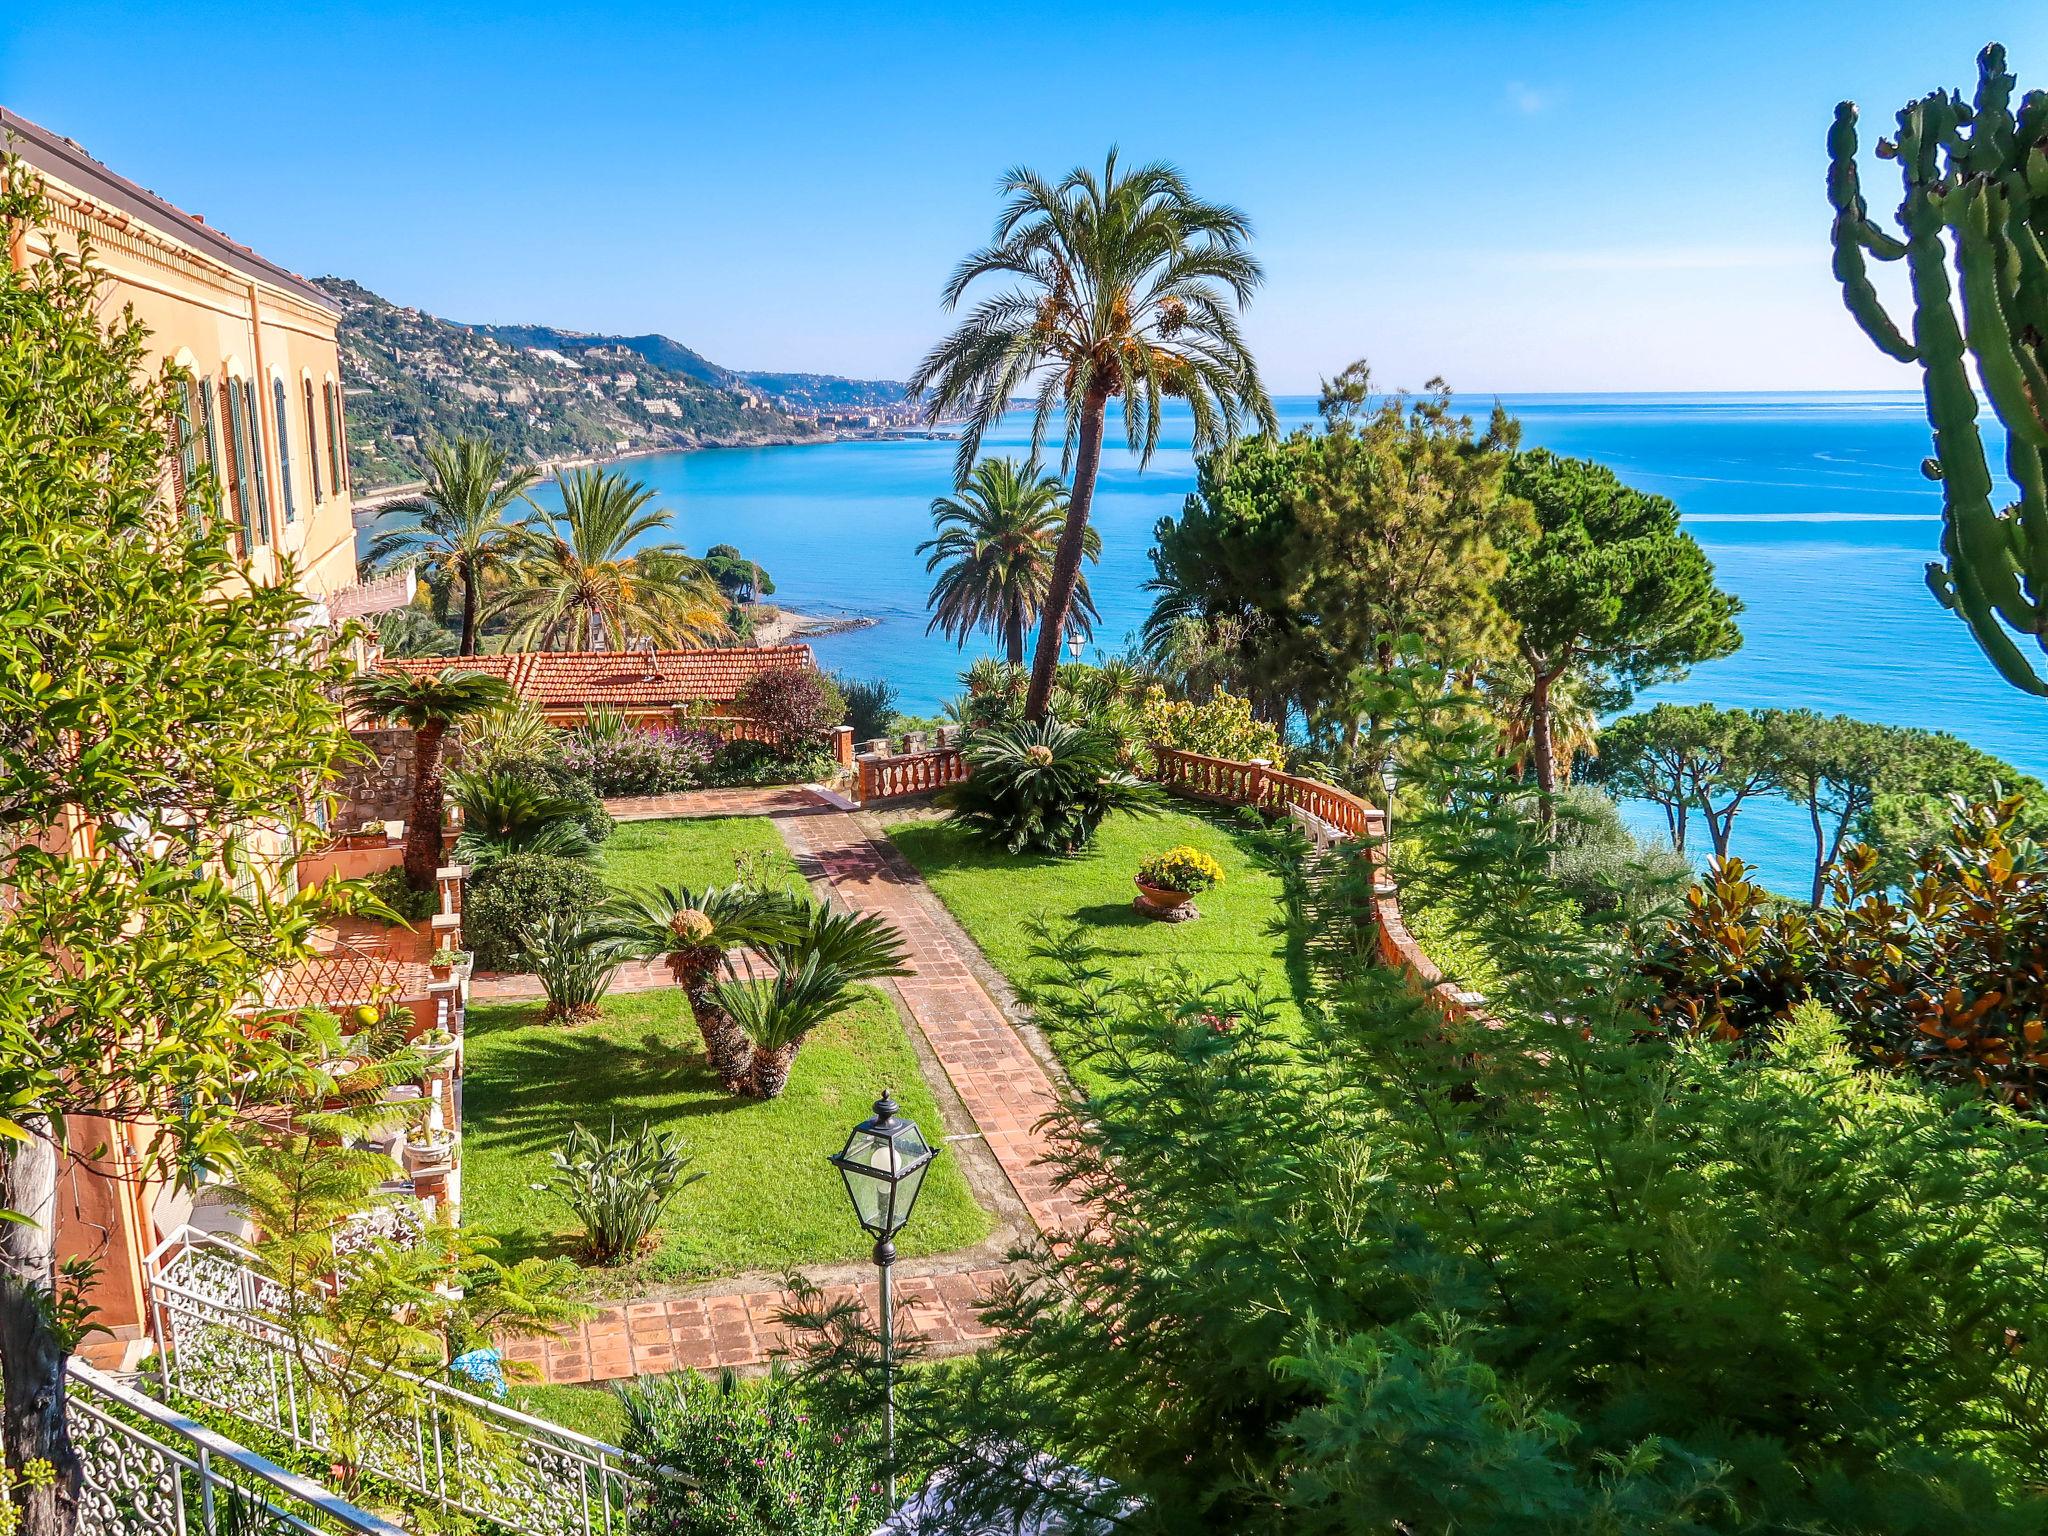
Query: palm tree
{"type": "Point", "coordinates": [697, 930]}
{"type": "Point", "coordinates": [577, 588]}
{"type": "Point", "coordinates": [816, 967]}
{"type": "Point", "coordinates": [995, 542]}
{"type": "Point", "coordinates": [1129, 289]}
{"type": "Point", "coordinates": [458, 527]}
{"type": "Point", "coordinates": [504, 813]}
{"type": "Point", "coordinates": [429, 704]}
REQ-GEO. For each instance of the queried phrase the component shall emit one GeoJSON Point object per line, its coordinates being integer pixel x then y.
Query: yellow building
{"type": "Point", "coordinates": [264, 404]}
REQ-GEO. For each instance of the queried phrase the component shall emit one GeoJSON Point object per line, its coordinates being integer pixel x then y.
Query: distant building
{"type": "Point", "coordinates": [653, 686]}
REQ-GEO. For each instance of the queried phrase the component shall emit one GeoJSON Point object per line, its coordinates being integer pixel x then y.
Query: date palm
{"type": "Point", "coordinates": [1128, 289]}
{"type": "Point", "coordinates": [428, 704]}
{"type": "Point", "coordinates": [459, 526]}
{"type": "Point", "coordinates": [816, 967]}
{"type": "Point", "coordinates": [993, 552]}
{"type": "Point", "coordinates": [697, 930]}
{"type": "Point", "coordinates": [582, 586]}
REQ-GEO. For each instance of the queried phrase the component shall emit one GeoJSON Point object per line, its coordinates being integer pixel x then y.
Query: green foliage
{"type": "Point", "coordinates": [1603, 582]}
{"type": "Point", "coordinates": [818, 957]}
{"type": "Point", "coordinates": [515, 895]}
{"type": "Point", "coordinates": [505, 813]}
{"type": "Point", "coordinates": [746, 763]}
{"type": "Point", "coordinates": [391, 889]}
{"type": "Point", "coordinates": [758, 1463]}
{"type": "Point", "coordinates": [798, 704]}
{"type": "Point", "coordinates": [1556, 1270]}
{"type": "Point", "coordinates": [738, 577]}
{"type": "Point", "coordinates": [870, 704]}
{"type": "Point", "coordinates": [513, 732]}
{"type": "Point", "coordinates": [992, 551]}
{"type": "Point", "coordinates": [1974, 202]}
{"type": "Point", "coordinates": [1220, 726]}
{"type": "Point", "coordinates": [1687, 757]}
{"type": "Point", "coordinates": [429, 704]}
{"type": "Point", "coordinates": [1181, 869]}
{"type": "Point", "coordinates": [651, 761]}
{"type": "Point", "coordinates": [619, 1187]}
{"type": "Point", "coordinates": [1603, 868]}
{"type": "Point", "coordinates": [460, 529]}
{"type": "Point", "coordinates": [1042, 788]}
{"type": "Point", "coordinates": [575, 963]}
{"type": "Point", "coordinates": [411, 631]}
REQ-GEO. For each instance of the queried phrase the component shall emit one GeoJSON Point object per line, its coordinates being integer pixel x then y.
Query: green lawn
{"type": "Point", "coordinates": [996, 895]}
{"type": "Point", "coordinates": [596, 1411]}
{"type": "Point", "coordinates": [767, 1200]}
{"type": "Point", "coordinates": [694, 852]}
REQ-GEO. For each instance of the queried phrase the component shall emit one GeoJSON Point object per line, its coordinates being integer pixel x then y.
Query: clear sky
{"type": "Point", "coordinates": [1521, 196]}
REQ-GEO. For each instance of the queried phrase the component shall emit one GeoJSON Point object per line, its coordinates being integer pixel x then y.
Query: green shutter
{"type": "Point", "coordinates": [284, 449]}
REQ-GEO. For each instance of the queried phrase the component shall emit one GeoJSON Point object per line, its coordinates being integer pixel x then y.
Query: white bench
{"type": "Point", "coordinates": [1321, 835]}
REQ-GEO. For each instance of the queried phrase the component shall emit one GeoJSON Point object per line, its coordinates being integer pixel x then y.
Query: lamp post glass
{"type": "Point", "coordinates": [1074, 644]}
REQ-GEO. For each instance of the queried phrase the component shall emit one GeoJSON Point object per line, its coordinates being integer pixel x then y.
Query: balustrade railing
{"type": "Point", "coordinates": [1235, 783]}
{"type": "Point", "coordinates": [149, 1470]}
{"type": "Point", "coordinates": [224, 1345]}
{"type": "Point", "coordinates": [916, 773]}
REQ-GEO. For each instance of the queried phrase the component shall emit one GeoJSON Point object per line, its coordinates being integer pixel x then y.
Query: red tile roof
{"type": "Point", "coordinates": [620, 679]}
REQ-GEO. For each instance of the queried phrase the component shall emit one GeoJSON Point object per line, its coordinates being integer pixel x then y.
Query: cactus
{"type": "Point", "coordinates": [1976, 199]}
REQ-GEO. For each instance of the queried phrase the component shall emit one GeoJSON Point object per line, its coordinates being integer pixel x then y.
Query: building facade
{"type": "Point", "coordinates": [259, 369]}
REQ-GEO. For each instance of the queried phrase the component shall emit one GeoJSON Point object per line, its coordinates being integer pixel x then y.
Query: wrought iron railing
{"type": "Point", "coordinates": [151, 1471]}
{"type": "Point", "coordinates": [219, 1323]}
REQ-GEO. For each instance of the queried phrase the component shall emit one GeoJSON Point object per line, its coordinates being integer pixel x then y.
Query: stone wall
{"type": "Point", "coordinates": [378, 786]}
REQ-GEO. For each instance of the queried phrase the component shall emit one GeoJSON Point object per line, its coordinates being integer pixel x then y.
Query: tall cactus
{"type": "Point", "coordinates": [1976, 194]}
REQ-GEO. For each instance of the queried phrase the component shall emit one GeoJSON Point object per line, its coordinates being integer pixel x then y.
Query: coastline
{"type": "Point", "coordinates": [787, 627]}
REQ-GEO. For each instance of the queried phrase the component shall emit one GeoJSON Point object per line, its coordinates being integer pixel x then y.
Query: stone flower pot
{"type": "Point", "coordinates": [1160, 902]}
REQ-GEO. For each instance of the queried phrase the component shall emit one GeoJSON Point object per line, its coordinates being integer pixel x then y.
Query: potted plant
{"type": "Point", "coordinates": [444, 962]}
{"type": "Point", "coordinates": [1169, 882]}
{"type": "Point", "coordinates": [436, 1045]}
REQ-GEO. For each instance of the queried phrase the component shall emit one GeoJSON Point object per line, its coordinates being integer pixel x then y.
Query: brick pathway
{"type": "Point", "coordinates": [1000, 1082]}
{"type": "Point", "coordinates": [711, 802]}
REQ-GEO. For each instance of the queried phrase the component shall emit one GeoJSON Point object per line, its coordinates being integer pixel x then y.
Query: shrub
{"type": "Point", "coordinates": [618, 1187]}
{"type": "Point", "coordinates": [547, 767]}
{"type": "Point", "coordinates": [742, 763]}
{"type": "Point", "coordinates": [658, 761]}
{"type": "Point", "coordinates": [1181, 869]}
{"type": "Point", "coordinates": [1222, 726]}
{"type": "Point", "coordinates": [511, 731]}
{"type": "Point", "coordinates": [574, 964]}
{"type": "Point", "coordinates": [390, 887]}
{"type": "Point", "coordinates": [517, 893]}
{"type": "Point", "coordinates": [1042, 788]}
{"type": "Point", "coordinates": [759, 1465]}
{"type": "Point", "coordinates": [870, 705]}
{"type": "Point", "coordinates": [1604, 867]}
{"type": "Point", "coordinates": [504, 813]}
{"type": "Point", "coordinates": [799, 705]}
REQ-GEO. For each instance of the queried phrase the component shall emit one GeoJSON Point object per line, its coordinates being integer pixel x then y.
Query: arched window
{"type": "Point", "coordinates": [312, 439]}
{"type": "Point", "coordinates": [284, 450]}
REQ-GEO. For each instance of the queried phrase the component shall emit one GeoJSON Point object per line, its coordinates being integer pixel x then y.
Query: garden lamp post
{"type": "Point", "coordinates": [1387, 783]}
{"type": "Point", "coordinates": [1074, 644]}
{"type": "Point", "coordinates": [884, 1163]}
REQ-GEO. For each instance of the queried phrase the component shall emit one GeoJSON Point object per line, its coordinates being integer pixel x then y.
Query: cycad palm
{"type": "Point", "coordinates": [816, 966]}
{"type": "Point", "coordinates": [583, 587]}
{"type": "Point", "coordinates": [1130, 287]}
{"type": "Point", "coordinates": [697, 930]}
{"type": "Point", "coordinates": [459, 527]}
{"type": "Point", "coordinates": [428, 704]}
{"type": "Point", "coordinates": [993, 553]}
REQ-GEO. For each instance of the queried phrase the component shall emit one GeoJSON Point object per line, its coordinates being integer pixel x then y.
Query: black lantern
{"type": "Point", "coordinates": [884, 1165]}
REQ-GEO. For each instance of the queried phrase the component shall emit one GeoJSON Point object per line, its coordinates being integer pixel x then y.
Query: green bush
{"type": "Point", "coordinates": [515, 895]}
{"type": "Point", "coordinates": [870, 705]}
{"type": "Point", "coordinates": [1221, 726]}
{"type": "Point", "coordinates": [642, 762]}
{"type": "Point", "coordinates": [618, 1187]}
{"type": "Point", "coordinates": [740, 764]}
{"type": "Point", "coordinates": [575, 964]}
{"type": "Point", "coordinates": [721, 1459]}
{"type": "Point", "coordinates": [504, 814]}
{"type": "Point", "coordinates": [389, 886]}
{"type": "Point", "coordinates": [1043, 788]}
{"type": "Point", "coordinates": [555, 770]}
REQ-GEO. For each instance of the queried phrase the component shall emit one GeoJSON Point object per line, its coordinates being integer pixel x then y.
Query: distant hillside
{"type": "Point", "coordinates": [829, 392]}
{"type": "Point", "coordinates": [539, 393]}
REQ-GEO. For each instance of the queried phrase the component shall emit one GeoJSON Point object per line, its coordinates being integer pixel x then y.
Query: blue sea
{"type": "Point", "coordinates": [1812, 508]}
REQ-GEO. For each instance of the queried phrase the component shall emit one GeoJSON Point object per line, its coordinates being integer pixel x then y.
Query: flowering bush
{"type": "Point", "coordinates": [658, 761]}
{"type": "Point", "coordinates": [1181, 869]}
{"type": "Point", "coordinates": [1223, 726]}
{"type": "Point", "coordinates": [757, 1464]}
{"type": "Point", "coordinates": [798, 704]}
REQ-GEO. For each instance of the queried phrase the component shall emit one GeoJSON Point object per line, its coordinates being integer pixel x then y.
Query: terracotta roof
{"type": "Point", "coordinates": [67, 161]}
{"type": "Point", "coordinates": [620, 679]}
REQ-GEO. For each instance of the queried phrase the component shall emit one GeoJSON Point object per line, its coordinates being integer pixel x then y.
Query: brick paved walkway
{"type": "Point", "coordinates": [711, 802]}
{"type": "Point", "coordinates": [1000, 1082]}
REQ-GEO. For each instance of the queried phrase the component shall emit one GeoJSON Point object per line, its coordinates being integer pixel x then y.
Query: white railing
{"type": "Point", "coordinates": [218, 1323]}
{"type": "Point", "coordinates": [151, 1471]}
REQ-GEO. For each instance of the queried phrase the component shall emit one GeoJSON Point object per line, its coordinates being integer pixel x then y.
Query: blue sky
{"type": "Point", "coordinates": [1516, 196]}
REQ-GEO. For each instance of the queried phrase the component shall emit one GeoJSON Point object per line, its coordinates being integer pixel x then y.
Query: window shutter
{"type": "Point", "coordinates": [312, 439]}
{"type": "Point", "coordinates": [258, 471]}
{"type": "Point", "coordinates": [284, 450]}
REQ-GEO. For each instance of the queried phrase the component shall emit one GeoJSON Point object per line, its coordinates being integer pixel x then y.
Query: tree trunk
{"type": "Point", "coordinates": [1820, 853]}
{"type": "Point", "coordinates": [1542, 749]}
{"type": "Point", "coordinates": [768, 1070]}
{"type": "Point", "coordinates": [469, 603]}
{"type": "Point", "coordinates": [1066, 562]}
{"type": "Point", "coordinates": [423, 832]}
{"type": "Point", "coordinates": [725, 1043]}
{"type": "Point", "coordinates": [1013, 637]}
{"type": "Point", "coordinates": [31, 1355]}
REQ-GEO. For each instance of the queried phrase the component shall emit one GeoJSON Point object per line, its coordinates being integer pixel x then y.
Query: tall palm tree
{"type": "Point", "coordinates": [1129, 288]}
{"type": "Point", "coordinates": [993, 551]}
{"type": "Point", "coordinates": [428, 704]}
{"type": "Point", "coordinates": [582, 587]}
{"type": "Point", "coordinates": [458, 527]}
{"type": "Point", "coordinates": [697, 930]}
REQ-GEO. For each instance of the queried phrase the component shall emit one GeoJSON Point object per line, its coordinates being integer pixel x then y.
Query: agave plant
{"type": "Point", "coordinates": [697, 930]}
{"type": "Point", "coordinates": [1043, 787]}
{"type": "Point", "coordinates": [619, 1187]}
{"type": "Point", "coordinates": [825, 954]}
{"type": "Point", "coordinates": [504, 813]}
{"type": "Point", "coordinates": [575, 961]}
